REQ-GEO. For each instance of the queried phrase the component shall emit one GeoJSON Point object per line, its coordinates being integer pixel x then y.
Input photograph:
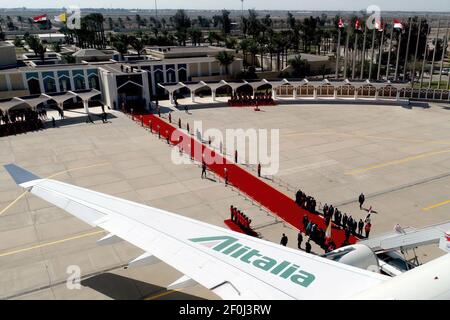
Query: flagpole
{"type": "Point", "coordinates": [354, 54]}
{"type": "Point", "coordinates": [444, 49]}
{"type": "Point", "coordinates": [407, 49]}
{"type": "Point", "coordinates": [434, 54]}
{"type": "Point", "coordinates": [372, 53]}
{"type": "Point", "coordinates": [345, 55]}
{"type": "Point", "coordinates": [380, 54]}
{"type": "Point", "coordinates": [398, 54]}
{"type": "Point", "coordinates": [413, 75]}
{"type": "Point", "coordinates": [338, 53]}
{"type": "Point", "coordinates": [389, 53]}
{"type": "Point", "coordinates": [363, 52]}
{"type": "Point", "coordinates": [425, 55]}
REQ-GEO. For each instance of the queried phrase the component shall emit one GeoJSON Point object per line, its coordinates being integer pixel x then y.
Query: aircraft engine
{"type": "Point", "coordinates": [357, 255]}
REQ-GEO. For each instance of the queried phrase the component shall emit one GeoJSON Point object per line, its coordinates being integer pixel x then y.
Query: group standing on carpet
{"type": "Point", "coordinates": [243, 100]}
{"type": "Point", "coordinates": [240, 219]}
{"type": "Point", "coordinates": [350, 225]}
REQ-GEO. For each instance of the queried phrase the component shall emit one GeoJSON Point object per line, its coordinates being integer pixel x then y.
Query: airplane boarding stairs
{"type": "Point", "coordinates": [409, 238]}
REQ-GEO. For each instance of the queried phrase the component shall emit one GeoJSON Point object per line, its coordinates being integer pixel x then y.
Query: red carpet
{"type": "Point", "coordinates": [255, 188]}
{"type": "Point", "coordinates": [233, 226]}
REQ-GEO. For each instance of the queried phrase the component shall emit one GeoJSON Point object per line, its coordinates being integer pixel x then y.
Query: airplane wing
{"type": "Point", "coordinates": [232, 265]}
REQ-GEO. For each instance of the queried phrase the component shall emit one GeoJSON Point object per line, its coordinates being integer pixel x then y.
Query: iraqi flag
{"type": "Point", "coordinates": [341, 23]}
{"type": "Point", "coordinates": [41, 18]}
{"type": "Point", "coordinates": [358, 25]}
{"type": "Point", "coordinates": [398, 24]}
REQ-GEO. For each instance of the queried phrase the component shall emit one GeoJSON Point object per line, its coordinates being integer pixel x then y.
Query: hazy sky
{"type": "Point", "coordinates": [389, 5]}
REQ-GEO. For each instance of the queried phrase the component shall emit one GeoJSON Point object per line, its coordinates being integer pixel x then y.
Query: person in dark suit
{"type": "Point", "coordinates": [284, 240]}
{"type": "Point", "coordinates": [308, 247]}
{"type": "Point", "coordinates": [299, 240]}
{"type": "Point", "coordinates": [361, 200]}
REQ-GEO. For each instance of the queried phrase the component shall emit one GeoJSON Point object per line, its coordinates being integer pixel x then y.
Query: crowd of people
{"type": "Point", "coordinates": [350, 225]}
{"type": "Point", "coordinates": [317, 235]}
{"type": "Point", "coordinates": [243, 100]}
{"type": "Point", "coordinates": [241, 220]}
{"type": "Point", "coordinates": [19, 121]}
{"type": "Point", "coordinates": [306, 202]}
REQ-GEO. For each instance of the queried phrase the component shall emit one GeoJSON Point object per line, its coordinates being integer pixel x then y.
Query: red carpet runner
{"type": "Point", "coordinates": [233, 226]}
{"type": "Point", "coordinates": [277, 202]}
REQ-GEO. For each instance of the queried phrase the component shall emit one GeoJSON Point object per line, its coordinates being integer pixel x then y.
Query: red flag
{"type": "Point", "coordinates": [341, 23]}
{"type": "Point", "coordinates": [40, 18]}
{"type": "Point", "coordinates": [358, 25]}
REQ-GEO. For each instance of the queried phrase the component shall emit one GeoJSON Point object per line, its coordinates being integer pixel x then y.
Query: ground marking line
{"type": "Point", "coordinates": [439, 142]}
{"type": "Point", "coordinates": [399, 161]}
{"type": "Point", "coordinates": [49, 177]}
{"type": "Point", "coordinates": [440, 204]}
{"type": "Point", "coordinates": [13, 202]}
{"type": "Point", "coordinates": [46, 244]}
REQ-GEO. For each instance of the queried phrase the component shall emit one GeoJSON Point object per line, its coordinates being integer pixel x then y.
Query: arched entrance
{"type": "Point", "coordinates": [130, 95]}
{"type": "Point", "coordinates": [34, 87]}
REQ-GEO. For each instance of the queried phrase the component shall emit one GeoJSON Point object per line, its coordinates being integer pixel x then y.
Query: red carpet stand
{"type": "Point", "coordinates": [275, 201]}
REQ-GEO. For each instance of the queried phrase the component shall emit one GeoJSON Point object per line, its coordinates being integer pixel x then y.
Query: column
{"type": "Point", "coordinates": [213, 92]}
{"type": "Point", "coordinates": [294, 93]}
{"type": "Point", "coordinates": [171, 98]}
{"type": "Point", "coordinates": [86, 106]}
{"type": "Point", "coordinates": [355, 96]}
{"type": "Point", "coordinates": [193, 95]}
{"type": "Point", "coordinates": [274, 93]}
{"type": "Point", "coordinates": [335, 93]}
{"type": "Point", "coordinates": [376, 94]}
{"type": "Point", "coordinates": [8, 82]}
{"type": "Point", "coordinates": [86, 79]}
{"type": "Point", "coordinates": [397, 96]}
{"type": "Point", "coordinates": [315, 93]}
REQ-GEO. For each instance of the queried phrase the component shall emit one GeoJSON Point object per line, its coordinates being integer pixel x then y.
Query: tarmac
{"type": "Point", "coordinates": [397, 156]}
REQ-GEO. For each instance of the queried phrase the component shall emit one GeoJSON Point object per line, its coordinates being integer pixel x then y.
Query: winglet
{"type": "Point", "coordinates": [19, 175]}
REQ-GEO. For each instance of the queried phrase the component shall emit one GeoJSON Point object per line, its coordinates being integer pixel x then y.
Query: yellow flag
{"type": "Point", "coordinates": [61, 18]}
{"type": "Point", "coordinates": [328, 231]}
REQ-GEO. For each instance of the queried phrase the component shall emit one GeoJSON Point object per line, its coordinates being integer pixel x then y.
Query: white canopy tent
{"type": "Point", "coordinates": [275, 84]}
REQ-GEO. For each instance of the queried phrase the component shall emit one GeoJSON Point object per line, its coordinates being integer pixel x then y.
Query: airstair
{"type": "Point", "coordinates": [407, 238]}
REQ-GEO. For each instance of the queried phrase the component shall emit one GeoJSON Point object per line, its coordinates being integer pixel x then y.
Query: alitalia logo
{"type": "Point", "coordinates": [231, 247]}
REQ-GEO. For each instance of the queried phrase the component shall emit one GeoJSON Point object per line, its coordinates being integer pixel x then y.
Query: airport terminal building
{"type": "Point", "coordinates": [129, 79]}
{"type": "Point", "coordinates": [105, 77]}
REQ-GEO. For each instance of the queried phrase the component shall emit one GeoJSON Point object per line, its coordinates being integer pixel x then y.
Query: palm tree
{"type": "Point", "coordinates": [299, 66]}
{"type": "Point", "coordinates": [196, 35]}
{"type": "Point", "coordinates": [33, 43]}
{"type": "Point", "coordinates": [20, 20]}
{"type": "Point", "coordinates": [225, 58]}
{"type": "Point", "coordinates": [137, 44]}
{"type": "Point", "coordinates": [41, 49]}
{"type": "Point", "coordinates": [211, 37]}
{"type": "Point", "coordinates": [120, 43]}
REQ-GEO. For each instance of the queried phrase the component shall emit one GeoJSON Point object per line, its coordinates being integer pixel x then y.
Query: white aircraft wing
{"type": "Point", "coordinates": [232, 265]}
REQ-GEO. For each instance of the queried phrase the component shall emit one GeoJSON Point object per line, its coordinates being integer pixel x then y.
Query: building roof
{"type": "Point", "coordinates": [89, 53]}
